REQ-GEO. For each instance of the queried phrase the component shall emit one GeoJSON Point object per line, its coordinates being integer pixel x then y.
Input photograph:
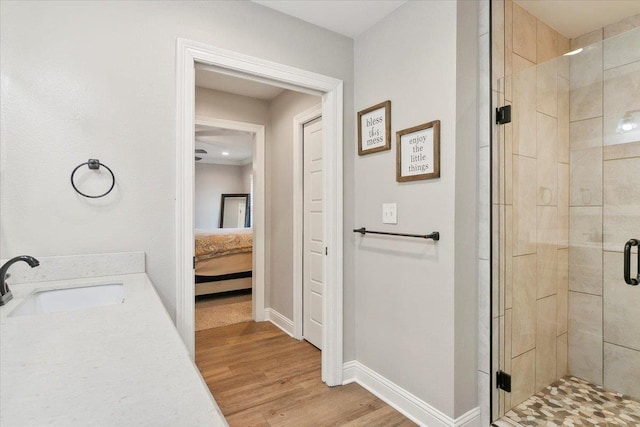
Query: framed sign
{"type": "Point", "coordinates": [374, 129]}
{"type": "Point", "coordinates": [418, 152]}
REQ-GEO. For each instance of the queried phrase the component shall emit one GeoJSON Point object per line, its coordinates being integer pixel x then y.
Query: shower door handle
{"type": "Point", "coordinates": [627, 262]}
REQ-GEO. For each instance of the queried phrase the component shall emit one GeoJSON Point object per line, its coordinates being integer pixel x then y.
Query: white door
{"type": "Point", "coordinates": [313, 246]}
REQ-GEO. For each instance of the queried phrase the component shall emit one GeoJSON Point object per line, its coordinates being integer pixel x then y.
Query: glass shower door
{"type": "Point", "coordinates": [566, 206]}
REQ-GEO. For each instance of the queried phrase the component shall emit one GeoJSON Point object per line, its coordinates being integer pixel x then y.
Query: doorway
{"type": "Point", "coordinates": [232, 275]}
{"type": "Point", "coordinates": [253, 69]}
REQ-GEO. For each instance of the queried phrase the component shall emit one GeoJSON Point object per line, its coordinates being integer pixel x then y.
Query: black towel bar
{"type": "Point", "coordinates": [435, 235]}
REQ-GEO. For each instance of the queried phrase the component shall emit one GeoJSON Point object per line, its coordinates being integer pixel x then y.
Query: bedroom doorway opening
{"type": "Point", "coordinates": [190, 55]}
{"type": "Point", "coordinates": [229, 286]}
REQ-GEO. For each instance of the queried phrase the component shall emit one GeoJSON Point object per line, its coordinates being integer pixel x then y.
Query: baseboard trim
{"type": "Point", "coordinates": [349, 372]}
{"type": "Point", "coordinates": [469, 419]}
{"type": "Point", "coordinates": [417, 410]}
{"type": "Point", "coordinates": [279, 320]}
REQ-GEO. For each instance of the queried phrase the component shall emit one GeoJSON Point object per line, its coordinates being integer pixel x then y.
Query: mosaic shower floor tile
{"type": "Point", "coordinates": [571, 401]}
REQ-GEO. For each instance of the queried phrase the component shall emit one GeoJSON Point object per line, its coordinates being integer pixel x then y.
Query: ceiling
{"type": "Point", "coordinates": [211, 80]}
{"type": "Point", "coordinates": [347, 17]}
{"type": "Point", "coordinates": [215, 141]}
{"type": "Point", "coordinates": [573, 18]}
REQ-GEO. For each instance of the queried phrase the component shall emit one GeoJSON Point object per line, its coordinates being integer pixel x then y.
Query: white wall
{"type": "Point", "coordinates": [97, 79]}
{"type": "Point", "coordinates": [279, 197]}
{"type": "Point", "coordinates": [407, 289]}
{"type": "Point", "coordinates": [247, 171]}
{"type": "Point", "coordinates": [211, 181]}
{"type": "Point", "coordinates": [466, 207]}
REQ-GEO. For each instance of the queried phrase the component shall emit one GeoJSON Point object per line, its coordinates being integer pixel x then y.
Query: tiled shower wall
{"type": "Point", "coordinates": [604, 312]}
{"type": "Point", "coordinates": [554, 171]}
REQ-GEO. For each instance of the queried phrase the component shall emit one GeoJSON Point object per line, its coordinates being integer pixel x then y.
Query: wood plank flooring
{"type": "Point", "coordinates": [262, 377]}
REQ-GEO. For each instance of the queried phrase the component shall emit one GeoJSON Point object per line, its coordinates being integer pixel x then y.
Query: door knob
{"type": "Point", "coordinates": [627, 262]}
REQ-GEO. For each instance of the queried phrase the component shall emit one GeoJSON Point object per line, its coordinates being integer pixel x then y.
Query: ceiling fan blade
{"type": "Point", "coordinates": [198, 158]}
{"type": "Point", "coordinates": [201, 151]}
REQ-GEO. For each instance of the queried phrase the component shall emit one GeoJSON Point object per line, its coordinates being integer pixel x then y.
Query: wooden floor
{"type": "Point", "coordinates": [262, 377]}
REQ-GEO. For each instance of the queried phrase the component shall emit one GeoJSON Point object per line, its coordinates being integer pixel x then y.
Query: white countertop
{"type": "Point", "coordinates": [116, 365]}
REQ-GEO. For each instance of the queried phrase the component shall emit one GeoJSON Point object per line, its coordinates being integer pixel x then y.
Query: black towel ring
{"type": "Point", "coordinates": [93, 164]}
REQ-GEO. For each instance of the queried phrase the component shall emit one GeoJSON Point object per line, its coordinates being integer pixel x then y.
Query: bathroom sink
{"type": "Point", "coordinates": [67, 299]}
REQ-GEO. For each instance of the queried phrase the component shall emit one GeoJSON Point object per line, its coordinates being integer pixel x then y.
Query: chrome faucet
{"type": "Point", "coordinates": [5, 293]}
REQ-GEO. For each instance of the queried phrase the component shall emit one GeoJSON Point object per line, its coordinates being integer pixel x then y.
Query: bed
{"type": "Point", "coordinates": [223, 260]}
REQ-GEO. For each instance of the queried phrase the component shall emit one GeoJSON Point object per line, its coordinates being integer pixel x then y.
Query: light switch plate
{"type": "Point", "coordinates": [389, 213]}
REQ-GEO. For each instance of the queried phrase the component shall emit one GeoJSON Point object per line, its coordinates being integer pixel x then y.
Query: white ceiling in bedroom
{"type": "Point", "coordinates": [215, 141]}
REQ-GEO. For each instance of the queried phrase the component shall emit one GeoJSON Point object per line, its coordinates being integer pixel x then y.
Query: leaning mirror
{"type": "Point", "coordinates": [235, 211]}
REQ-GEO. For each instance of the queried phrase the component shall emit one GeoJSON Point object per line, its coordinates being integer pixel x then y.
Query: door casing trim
{"type": "Point", "coordinates": [188, 53]}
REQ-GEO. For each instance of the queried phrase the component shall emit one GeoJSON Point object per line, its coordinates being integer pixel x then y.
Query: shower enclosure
{"type": "Point", "coordinates": [566, 211]}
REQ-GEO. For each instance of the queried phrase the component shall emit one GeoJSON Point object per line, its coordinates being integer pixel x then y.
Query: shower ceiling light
{"type": "Point", "coordinates": [225, 153]}
{"type": "Point", "coordinates": [573, 52]}
{"type": "Point", "coordinates": [626, 123]}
